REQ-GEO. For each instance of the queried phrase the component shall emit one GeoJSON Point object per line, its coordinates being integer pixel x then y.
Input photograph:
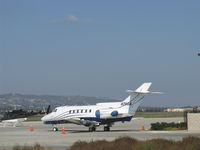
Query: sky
{"type": "Point", "coordinates": [101, 48]}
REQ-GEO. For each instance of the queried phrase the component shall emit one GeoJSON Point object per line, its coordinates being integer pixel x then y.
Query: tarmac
{"type": "Point", "coordinates": [43, 134]}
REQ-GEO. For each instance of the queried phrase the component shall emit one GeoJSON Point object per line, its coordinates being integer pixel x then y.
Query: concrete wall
{"type": "Point", "coordinates": [193, 121]}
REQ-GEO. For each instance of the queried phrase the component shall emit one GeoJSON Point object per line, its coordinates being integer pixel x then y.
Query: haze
{"type": "Point", "coordinates": [101, 48]}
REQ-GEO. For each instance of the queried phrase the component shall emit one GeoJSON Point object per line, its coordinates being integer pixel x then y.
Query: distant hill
{"type": "Point", "coordinates": [25, 101]}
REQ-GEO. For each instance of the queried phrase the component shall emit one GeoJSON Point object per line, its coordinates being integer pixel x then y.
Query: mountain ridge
{"type": "Point", "coordinates": [33, 101]}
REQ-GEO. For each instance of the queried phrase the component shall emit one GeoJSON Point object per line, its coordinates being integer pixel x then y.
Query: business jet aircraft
{"type": "Point", "coordinates": [105, 114]}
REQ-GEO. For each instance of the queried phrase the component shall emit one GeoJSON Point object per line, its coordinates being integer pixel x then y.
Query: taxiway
{"type": "Point", "coordinates": [43, 134]}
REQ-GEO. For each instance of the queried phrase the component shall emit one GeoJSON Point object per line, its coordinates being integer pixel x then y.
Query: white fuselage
{"type": "Point", "coordinates": [90, 112]}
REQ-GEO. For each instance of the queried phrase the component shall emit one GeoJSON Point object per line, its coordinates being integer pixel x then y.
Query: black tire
{"type": "Point", "coordinates": [91, 129]}
{"type": "Point", "coordinates": [106, 128]}
{"type": "Point", "coordinates": [55, 129]}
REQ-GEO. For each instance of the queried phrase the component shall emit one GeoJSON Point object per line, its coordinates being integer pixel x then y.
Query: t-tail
{"type": "Point", "coordinates": [133, 101]}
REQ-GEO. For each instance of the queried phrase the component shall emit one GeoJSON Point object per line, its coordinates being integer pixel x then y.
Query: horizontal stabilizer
{"type": "Point", "coordinates": [143, 89]}
{"type": "Point", "coordinates": [155, 93]}
{"type": "Point", "coordinates": [145, 92]}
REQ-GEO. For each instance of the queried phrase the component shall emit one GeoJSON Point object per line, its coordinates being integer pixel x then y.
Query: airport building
{"type": "Point", "coordinates": [179, 109]}
{"type": "Point", "coordinates": [193, 121]}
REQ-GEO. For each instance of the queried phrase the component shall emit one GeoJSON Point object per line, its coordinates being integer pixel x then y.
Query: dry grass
{"type": "Point", "coordinates": [26, 147]}
{"type": "Point", "coordinates": [127, 143]}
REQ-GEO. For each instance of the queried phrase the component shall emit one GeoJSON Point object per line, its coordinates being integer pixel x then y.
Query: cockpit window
{"type": "Point", "coordinates": [54, 110]}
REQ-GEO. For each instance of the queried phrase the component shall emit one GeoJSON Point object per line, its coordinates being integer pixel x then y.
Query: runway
{"type": "Point", "coordinates": [43, 134]}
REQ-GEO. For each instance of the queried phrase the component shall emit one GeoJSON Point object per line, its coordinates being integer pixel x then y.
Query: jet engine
{"type": "Point", "coordinates": [106, 113]}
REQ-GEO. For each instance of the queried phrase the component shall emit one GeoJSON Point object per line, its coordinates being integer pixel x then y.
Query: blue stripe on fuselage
{"type": "Point", "coordinates": [101, 121]}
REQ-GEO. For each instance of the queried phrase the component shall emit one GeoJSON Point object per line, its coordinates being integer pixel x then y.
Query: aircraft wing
{"type": "Point", "coordinates": [82, 122]}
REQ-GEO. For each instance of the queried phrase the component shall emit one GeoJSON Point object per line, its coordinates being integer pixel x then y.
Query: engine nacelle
{"type": "Point", "coordinates": [106, 113]}
{"type": "Point", "coordinates": [114, 113]}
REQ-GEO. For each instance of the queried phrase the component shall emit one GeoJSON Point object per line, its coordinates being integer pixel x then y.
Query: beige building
{"type": "Point", "coordinates": [178, 109]}
{"type": "Point", "coordinates": [193, 120]}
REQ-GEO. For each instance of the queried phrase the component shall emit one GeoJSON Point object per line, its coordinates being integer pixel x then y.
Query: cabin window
{"type": "Point", "coordinates": [73, 111]}
{"type": "Point", "coordinates": [81, 110]}
{"type": "Point", "coordinates": [90, 111]}
{"type": "Point", "coordinates": [86, 111]}
{"type": "Point", "coordinates": [77, 111]}
{"type": "Point", "coordinates": [70, 112]}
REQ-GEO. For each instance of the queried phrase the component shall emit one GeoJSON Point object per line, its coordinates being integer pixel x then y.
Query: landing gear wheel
{"type": "Point", "coordinates": [55, 129]}
{"type": "Point", "coordinates": [91, 129]}
{"type": "Point", "coordinates": [106, 128]}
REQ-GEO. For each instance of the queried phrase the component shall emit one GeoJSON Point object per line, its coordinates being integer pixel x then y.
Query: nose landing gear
{"type": "Point", "coordinates": [55, 129]}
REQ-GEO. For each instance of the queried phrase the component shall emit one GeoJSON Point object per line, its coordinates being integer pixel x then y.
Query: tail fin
{"type": "Point", "coordinates": [134, 99]}
{"type": "Point", "coordinates": [144, 87]}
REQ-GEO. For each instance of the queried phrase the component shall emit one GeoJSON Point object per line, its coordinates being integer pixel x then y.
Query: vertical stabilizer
{"type": "Point", "coordinates": [144, 87]}
{"type": "Point", "coordinates": [133, 101]}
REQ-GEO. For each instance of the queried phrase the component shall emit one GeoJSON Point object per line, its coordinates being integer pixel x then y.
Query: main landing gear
{"type": "Point", "coordinates": [106, 128]}
{"type": "Point", "coordinates": [92, 128]}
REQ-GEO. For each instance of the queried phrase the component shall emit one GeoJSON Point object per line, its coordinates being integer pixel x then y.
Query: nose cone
{"type": "Point", "coordinates": [47, 119]}
{"type": "Point", "coordinates": [44, 118]}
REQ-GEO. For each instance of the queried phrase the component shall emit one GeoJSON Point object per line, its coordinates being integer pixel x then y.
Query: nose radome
{"type": "Point", "coordinates": [43, 118]}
